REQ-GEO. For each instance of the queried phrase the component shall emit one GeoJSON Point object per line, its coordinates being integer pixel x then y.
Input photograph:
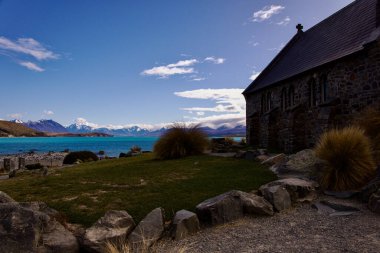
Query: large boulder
{"type": "Point", "coordinates": [304, 164]}
{"type": "Point", "coordinates": [114, 226]}
{"type": "Point", "coordinates": [300, 190]}
{"type": "Point", "coordinates": [148, 231]}
{"type": "Point", "coordinates": [276, 159]}
{"type": "Point", "coordinates": [278, 196]}
{"type": "Point", "coordinates": [374, 202]}
{"type": "Point", "coordinates": [4, 198]}
{"type": "Point", "coordinates": [26, 230]}
{"type": "Point", "coordinates": [230, 206]}
{"type": "Point", "coordinates": [184, 224]}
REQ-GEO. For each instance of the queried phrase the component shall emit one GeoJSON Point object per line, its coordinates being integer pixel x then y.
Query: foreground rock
{"type": "Point", "coordinates": [28, 230]}
{"type": "Point", "coordinates": [275, 160]}
{"type": "Point", "coordinates": [303, 164]}
{"type": "Point", "coordinates": [4, 198]}
{"type": "Point", "coordinates": [114, 226]}
{"type": "Point", "coordinates": [148, 231]}
{"type": "Point", "coordinates": [231, 206]}
{"type": "Point", "coordinates": [278, 196]}
{"type": "Point", "coordinates": [300, 190]}
{"type": "Point", "coordinates": [184, 224]}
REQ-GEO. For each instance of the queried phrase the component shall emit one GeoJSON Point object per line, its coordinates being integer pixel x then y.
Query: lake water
{"type": "Point", "coordinates": [111, 145]}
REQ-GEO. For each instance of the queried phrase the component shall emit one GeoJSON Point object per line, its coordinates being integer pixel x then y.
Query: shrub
{"type": "Point", "coordinates": [135, 149]}
{"type": "Point", "coordinates": [34, 166]}
{"type": "Point", "coordinates": [180, 141]}
{"type": "Point", "coordinates": [349, 160]}
{"type": "Point", "coordinates": [84, 156]}
{"type": "Point", "coordinates": [369, 120]}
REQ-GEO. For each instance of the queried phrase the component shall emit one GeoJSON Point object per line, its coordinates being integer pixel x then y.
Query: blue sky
{"type": "Point", "coordinates": [124, 62]}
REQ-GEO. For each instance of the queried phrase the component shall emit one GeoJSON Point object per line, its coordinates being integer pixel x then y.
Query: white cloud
{"type": "Point", "coordinates": [197, 79]}
{"type": "Point", "coordinates": [253, 43]}
{"type": "Point", "coordinates": [31, 66]}
{"type": "Point", "coordinates": [15, 115]}
{"type": "Point", "coordinates": [277, 49]}
{"type": "Point", "coordinates": [266, 13]}
{"type": "Point", "coordinates": [27, 46]}
{"type": "Point", "coordinates": [229, 108]}
{"type": "Point", "coordinates": [284, 22]}
{"type": "Point", "coordinates": [215, 60]}
{"type": "Point", "coordinates": [178, 68]}
{"type": "Point", "coordinates": [254, 75]}
{"type": "Point", "coordinates": [48, 112]}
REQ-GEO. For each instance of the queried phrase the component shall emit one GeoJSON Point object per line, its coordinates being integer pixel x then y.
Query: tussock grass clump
{"type": "Point", "coordinates": [180, 141]}
{"type": "Point", "coordinates": [82, 156]}
{"type": "Point", "coordinates": [369, 120]}
{"type": "Point", "coordinates": [349, 160]}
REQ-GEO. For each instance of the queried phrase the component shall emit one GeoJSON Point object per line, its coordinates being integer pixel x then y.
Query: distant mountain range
{"type": "Point", "coordinates": [51, 126]}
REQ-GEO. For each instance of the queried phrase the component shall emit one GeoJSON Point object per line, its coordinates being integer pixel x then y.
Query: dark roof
{"type": "Point", "coordinates": [343, 33]}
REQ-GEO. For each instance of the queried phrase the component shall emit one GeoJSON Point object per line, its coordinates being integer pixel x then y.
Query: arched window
{"type": "Point", "coordinates": [291, 96]}
{"type": "Point", "coordinates": [284, 102]}
{"type": "Point", "coordinates": [269, 101]}
{"type": "Point", "coordinates": [312, 93]}
{"type": "Point", "coordinates": [324, 88]}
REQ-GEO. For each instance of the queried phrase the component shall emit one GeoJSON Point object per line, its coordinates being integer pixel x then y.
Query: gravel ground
{"type": "Point", "coordinates": [300, 229]}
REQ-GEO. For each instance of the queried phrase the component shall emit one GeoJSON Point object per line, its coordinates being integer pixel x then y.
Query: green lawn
{"type": "Point", "coordinates": [138, 185]}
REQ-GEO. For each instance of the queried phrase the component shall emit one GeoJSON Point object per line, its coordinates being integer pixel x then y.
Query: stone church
{"type": "Point", "coordinates": [319, 80]}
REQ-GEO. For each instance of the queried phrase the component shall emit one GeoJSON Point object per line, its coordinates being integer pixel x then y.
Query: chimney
{"type": "Point", "coordinates": [299, 28]}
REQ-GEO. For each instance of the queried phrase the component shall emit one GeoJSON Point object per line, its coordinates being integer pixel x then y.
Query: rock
{"type": "Point", "coordinates": [253, 204]}
{"type": "Point", "coordinates": [374, 202]}
{"type": "Point", "coordinates": [240, 154]}
{"type": "Point", "coordinates": [277, 159]}
{"type": "Point", "coordinates": [114, 226]}
{"type": "Point", "coordinates": [230, 206]}
{"type": "Point", "coordinates": [184, 224]}
{"type": "Point", "coordinates": [341, 194]}
{"type": "Point", "coordinates": [261, 158]}
{"type": "Point", "coordinates": [303, 164]}
{"type": "Point", "coordinates": [333, 209]}
{"type": "Point", "coordinates": [263, 151]}
{"type": "Point", "coordinates": [148, 231]}
{"type": "Point", "coordinates": [278, 196]}
{"type": "Point", "coordinates": [370, 189]}
{"type": "Point", "coordinates": [26, 230]}
{"type": "Point", "coordinates": [4, 198]}
{"type": "Point", "coordinates": [128, 154]}
{"type": "Point", "coordinates": [300, 190]}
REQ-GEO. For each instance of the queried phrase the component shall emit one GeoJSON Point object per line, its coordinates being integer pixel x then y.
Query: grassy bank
{"type": "Point", "coordinates": [139, 184]}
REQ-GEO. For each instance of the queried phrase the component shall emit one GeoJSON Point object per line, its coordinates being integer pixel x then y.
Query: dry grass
{"type": "Point", "coordinates": [369, 120]}
{"type": "Point", "coordinates": [180, 141]}
{"type": "Point", "coordinates": [348, 154]}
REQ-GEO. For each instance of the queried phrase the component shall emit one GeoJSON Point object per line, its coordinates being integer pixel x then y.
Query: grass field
{"type": "Point", "coordinates": [138, 185]}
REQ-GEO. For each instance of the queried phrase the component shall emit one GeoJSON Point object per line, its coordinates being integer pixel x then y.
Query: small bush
{"type": "Point", "coordinates": [369, 120]}
{"type": "Point", "coordinates": [135, 149]}
{"type": "Point", "coordinates": [349, 160]}
{"type": "Point", "coordinates": [180, 141]}
{"type": "Point", "coordinates": [34, 166]}
{"type": "Point", "coordinates": [84, 156]}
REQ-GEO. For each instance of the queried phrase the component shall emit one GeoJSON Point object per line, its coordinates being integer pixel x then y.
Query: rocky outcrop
{"type": "Point", "coordinates": [278, 196]}
{"type": "Point", "coordinates": [276, 159]}
{"type": "Point", "coordinates": [184, 224]}
{"type": "Point", "coordinates": [114, 226]}
{"type": "Point", "coordinates": [300, 190]}
{"type": "Point", "coordinates": [230, 206]}
{"type": "Point", "coordinates": [148, 231]}
{"type": "Point", "coordinates": [26, 229]}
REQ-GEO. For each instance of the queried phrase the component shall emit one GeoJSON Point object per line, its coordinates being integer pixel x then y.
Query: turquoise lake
{"type": "Point", "coordinates": [111, 145]}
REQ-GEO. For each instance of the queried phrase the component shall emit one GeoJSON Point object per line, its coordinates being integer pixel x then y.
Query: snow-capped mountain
{"type": "Point", "coordinates": [81, 126]}
{"type": "Point", "coordinates": [45, 125]}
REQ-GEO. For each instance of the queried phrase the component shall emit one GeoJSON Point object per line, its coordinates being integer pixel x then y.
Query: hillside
{"type": "Point", "coordinates": [14, 129]}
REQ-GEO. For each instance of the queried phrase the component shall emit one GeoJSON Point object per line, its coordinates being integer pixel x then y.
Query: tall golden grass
{"type": "Point", "coordinates": [180, 141]}
{"type": "Point", "coordinates": [350, 164]}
